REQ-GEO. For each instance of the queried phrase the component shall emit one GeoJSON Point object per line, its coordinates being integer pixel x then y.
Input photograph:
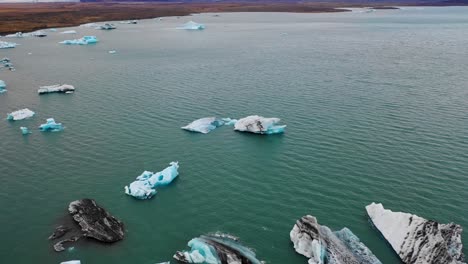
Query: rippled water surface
{"type": "Point", "coordinates": [376, 107]}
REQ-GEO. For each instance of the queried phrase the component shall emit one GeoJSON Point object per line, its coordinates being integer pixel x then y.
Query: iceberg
{"type": "Point", "coordinates": [68, 32]}
{"type": "Point", "coordinates": [86, 40]}
{"type": "Point", "coordinates": [51, 126]}
{"type": "Point", "coordinates": [15, 35]}
{"type": "Point", "coordinates": [112, 51]}
{"type": "Point", "coordinates": [7, 45]}
{"type": "Point", "coordinates": [7, 64]}
{"type": "Point", "coordinates": [129, 22]}
{"type": "Point", "coordinates": [145, 185]}
{"type": "Point", "coordinates": [208, 124]}
{"type": "Point", "coordinates": [107, 26]}
{"type": "Point", "coordinates": [323, 246]}
{"type": "Point", "coordinates": [71, 262]}
{"type": "Point", "coordinates": [56, 88]}
{"type": "Point", "coordinates": [25, 130]}
{"type": "Point", "coordinates": [20, 114]}
{"type": "Point", "coordinates": [2, 87]}
{"type": "Point", "coordinates": [259, 125]}
{"type": "Point", "coordinates": [89, 25]}
{"type": "Point", "coordinates": [217, 249]}
{"type": "Point", "coordinates": [417, 240]}
{"type": "Point", "coordinates": [39, 33]}
{"type": "Point", "coordinates": [192, 26]}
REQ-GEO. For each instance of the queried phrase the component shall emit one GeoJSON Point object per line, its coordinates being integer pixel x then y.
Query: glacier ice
{"type": "Point", "coordinates": [56, 88]}
{"type": "Point", "coordinates": [145, 185]}
{"type": "Point", "coordinates": [51, 126]}
{"type": "Point", "coordinates": [322, 246]}
{"type": "Point", "coordinates": [112, 51]}
{"type": "Point", "coordinates": [417, 240]}
{"type": "Point", "coordinates": [15, 35]}
{"type": "Point", "coordinates": [229, 122]}
{"type": "Point", "coordinates": [6, 62]}
{"type": "Point", "coordinates": [107, 26]}
{"type": "Point", "coordinates": [129, 22]}
{"type": "Point", "coordinates": [208, 124]}
{"type": "Point", "coordinates": [7, 45]}
{"type": "Point", "coordinates": [217, 249]}
{"type": "Point", "coordinates": [68, 32]}
{"type": "Point", "coordinates": [25, 130]}
{"type": "Point", "coordinates": [82, 41]}
{"type": "Point", "coordinates": [192, 26]}
{"type": "Point", "coordinates": [2, 87]}
{"type": "Point", "coordinates": [71, 262]}
{"type": "Point", "coordinates": [20, 114]}
{"type": "Point", "coordinates": [259, 125]}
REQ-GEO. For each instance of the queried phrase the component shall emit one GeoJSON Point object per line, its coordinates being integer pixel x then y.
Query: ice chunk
{"type": "Point", "coordinates": [25, 130]}
{"type": "Point", "coordinates": [68, 32]}
{"type": "Point", "coordinates": [71, 262]}
{"type": "Point", "coordinates": [39, 33]}
{"type": "Point", "coordinates": [417, 240]}
{"type": "Point", "coordinates": [204, 125]}
{"type": "Point", "coordinates": [51, 126]}
{"type": "Point", "coordinates": [112, 51]}
{"type": "Point", "coordinates": [20, 114]}
{"type": "Point", "coordinates": [229, 122]}
{"type": "Point", "coordinates": [259, 125]}
{"type": "Point", "coordinates": [217, 249]}
{"type": "Point", "coordinates": [52, 29]}
{"type": "Point", "coordinates": [89, 25]}
{"type": "Point", "coordinates": [56, 88]}
{"type": "Point", "coordinates": [15, 35]}
{"type": "Point", "coordinates": [7, 63]}
{"type": "Point", "coordinates": [321, 245]}
{"type": "Point", "coordinates": [7, 45]}
{"type": "Point", "coordinates": [192, 26]}
{"type": "Point", "coordinates": [82, 41]}
{"type": "Point", "coordinates": [145, 185]}
{"type": "Point", "coordinates": [2, 87]}
{"type": "Point", "coordinates": [107, 26]}
{"type": "Point", "coordinates": [129, 22]}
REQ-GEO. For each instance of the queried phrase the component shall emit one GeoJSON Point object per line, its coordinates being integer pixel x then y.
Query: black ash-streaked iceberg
{"type": "Point", "coordinates": [144, 187]}
{"type": "Point", "coordinates": [56, 88]}
{"type": "Point", "coordinates": [259, 125]}
{"type": "Point", "coordinates": [417, 240]}
{"type": "Point", "coordinates": [20, 114]}
{"type": "Point", "coordinates": [323, 246]}
{"type": "Point", "coordinates": [217, 249]}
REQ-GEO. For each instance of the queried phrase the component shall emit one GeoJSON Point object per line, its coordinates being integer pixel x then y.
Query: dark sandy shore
{"type": "Point", "coordinates": [26, 17]}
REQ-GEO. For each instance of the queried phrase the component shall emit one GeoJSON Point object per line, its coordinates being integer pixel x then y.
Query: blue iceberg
{"type": "Point", "coordinates": [25, 130]}
{"type": "Point", "coordinates": [259, 125]}
{"type": "Point", "coordinates": [217, 249]}
{"type": "Point", "coordinates": [82, 41]}
{"type": "Point", "coordinates": [145, 185]}
{"type": "Point", "coordinates": [51, 126]}
{"type": "Point", "coordinates": [321, 245]}
{"type": "Point", "coordinates": [208, 124]}
{"type": "Point", "coordinates": [192, 26]}
{"type": "Point", "coordinates": [2, 87]}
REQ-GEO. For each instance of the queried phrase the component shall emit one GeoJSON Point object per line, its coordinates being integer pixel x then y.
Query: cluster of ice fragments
{"type": "Point", "coordinates": [192, 26]}
{"type": "Point", "coordinates": [20, 114]}
{"type": "Point", "coordinates": [56, 88]}
{"type": "Point", "coordinates": [217, 249]}
{"type": "Point", "coordinates": [6, 63]}
{"type": "Point", "coordinates": [417, 240]}
{"type": "Point", "coordinates": [51, 126]}
{"type": "Point", "coordinates": [144, 187]}
{"type": "Point", "coordinates": [82, 41]}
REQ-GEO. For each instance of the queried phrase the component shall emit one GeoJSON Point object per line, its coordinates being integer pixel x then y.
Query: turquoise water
{"type": "Point", "coordinates": [376, 107]}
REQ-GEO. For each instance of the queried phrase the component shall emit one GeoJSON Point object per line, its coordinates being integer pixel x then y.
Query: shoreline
{"type": "Point", "coordinates": [28, 17]}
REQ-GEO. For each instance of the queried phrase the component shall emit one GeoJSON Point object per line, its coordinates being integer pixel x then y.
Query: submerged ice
{"type": "Point", "coordinates": [192, 26]}
{"type": "Point", "coordinates": [20, 114]}
{"type": "Point", "coordinates": [217, 249]}
{"type": "Point", "coordinates": [323, 246]}
{"type": "Point", "coordinates": [208, 124]}
{"type": "Point", "coordinates": [144, 187]}
{"type": "Point", "coordinates": [51, 126]}
{"type": "Point", "coordinates": [82, 41]}
{"type": "Point", "coordinates": [259, 125]}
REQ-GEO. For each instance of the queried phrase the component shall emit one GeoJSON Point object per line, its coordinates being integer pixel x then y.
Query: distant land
{"type": "Point", "coordinates": [26, 17]}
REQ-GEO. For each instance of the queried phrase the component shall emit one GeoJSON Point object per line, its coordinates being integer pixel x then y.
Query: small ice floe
{"type": "Point", "coordinates": [112, 51]}
{"type": "Point", "coordinates": [39, 33]}
{"type": "Point", "coordinates": [56, 88]}
{"type": "Point", "coordinates": [7, 45]}
{"type": "Point", "coordinates": [107, 26]}
{"type": "Point", "coordinates": [82, 41]}
{"type": "Point", "coordinates": [71, 262]}
{"type": "Point", "coordinates": [20, 114]}
{"type": "Point", "coordinates": [129, 22]}
{"type": "Point", "coordinates": [192, 26]}
{"type": "Point", "coordinates": [68, 32]}
{"type": "Point", "coordinates": [208, 124]}
{"type": "Point", "coordinates": [52, 29]}
{"type": "Point", "coordinates": [145, 185]}
{"type": "Point", "coordinates": [259, 125]}
{"type": "Point", "coordinates": [51, 126]}
{"type": "Point", "coordinates": [7, 64]}
{"type": "Point", "coordinates": [2, 86]}
{"type": "Point", "coordinates": [25, 130]}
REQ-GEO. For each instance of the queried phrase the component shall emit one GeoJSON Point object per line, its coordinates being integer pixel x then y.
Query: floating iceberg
{"type": "Point", "coordinates": [7, 63]}
{"type": "Point", "coordinates": [322, 246]}
{"type": "Point", "coordinates": [2, 87]}
{"type": "Point", "coordinates": [52, 29]}
{"type": "Point", "coordinates": [89, 25]}
{"type": "Point", "coordinates": [20, 114]}
{"type": "Point", "coordinates": [145, 185]}
{"type": "Point", "coordinates": [56, 88]}
{"type": "Point", "coordinates": [217, 249]}
{"type": "Point", "coordinates": [259, 125]}
{"type": "Point", "coordinates": [39, 33]}
{"type": "Point", "coordinates": [107, 26]}
{"type": "Point", "coordinates": [68, 32]}
{"type": "Point", "coordinates": [192, 26]}
{"type": "Point", "coordinates": [417, 240]}
{"type": "Point", "coordinates": [71, 262]}
{"type": "Point", "coordinates": [7, 45]}
{"type": "Point", "coordinates": [51, 126]}
{"type": "Point", "coordinates": [25, 130]}
{"type": "Point", "coordinates": [82, 41]}
{"type": "Point", "coordinates": [129, 22]}
{"type": "Point", "coordinates": [15, 35]}
{"type": "Point", "coordinates": [112, 51]}
{"type": "Point", "coordinates": [208, 124]}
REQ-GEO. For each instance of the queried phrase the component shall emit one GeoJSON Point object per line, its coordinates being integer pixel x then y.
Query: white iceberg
{"type": "Point", "coordinates": [129, 22]}
{"type": "Point", "coordinates": [15, 35]}
{"type": "Point", "coordinates": [25, 130]}
{"type": "Point", "coordinates": [52, 29]}
{"type": "Point", "coordinates": [89, 25]}
{"type": "Point", "coordinates": [145, 185]}
{"type": "Point", "coordinates": [56, 88]}
{"type": "Point", "coordinates": [2, 87]}
{"type": "Point", "coordinates": [68, 32]}
{"type": "Point", "coordinates": [204, 125]}
{"type": "Point", "coordinates": [112, 51]}
{"type": "Point", "coordinates": [20, 114]}
{"type": "Point", "coordinates": [7, 45]}
{"type": "Point", "coordinates": [192, 26]}
{"type": "Point", "coordinates": [417, 240]}
{"type": "Point", "coordinates": [71, 262]}
{"type": "Point", "coordinates": [259, 125]}
{"type": "Point", "coordinates": [51, 126]}
{"type": "Point", "coordinates": [82, 41]}
{"type": "Point", "coordinates": [107, 26]}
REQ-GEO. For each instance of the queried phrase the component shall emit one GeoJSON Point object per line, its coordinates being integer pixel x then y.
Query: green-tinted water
{"type": "Point", "coordinates": [376, 107]}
